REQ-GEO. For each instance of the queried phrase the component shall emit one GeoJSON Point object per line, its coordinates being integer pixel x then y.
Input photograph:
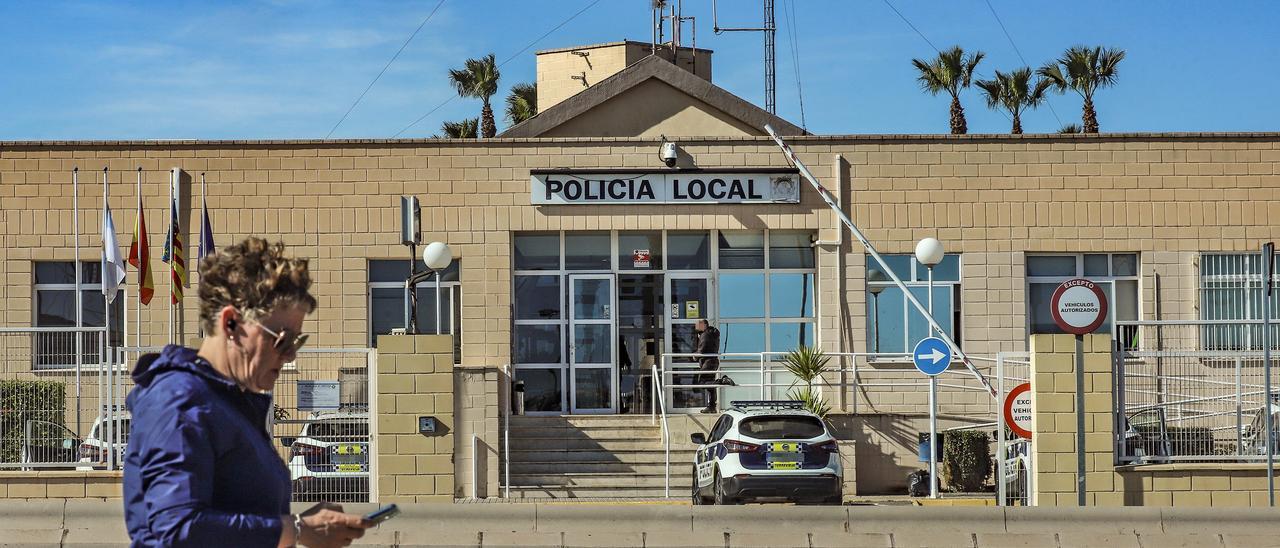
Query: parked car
{"type": "Point", "coordinates": [1017, 464]}
{"type": "Point", "coordinates": [329, 460]}
{"type": "Point", "coordinates": [1254, 435]}
{"type": "Point", "coordinates": [49, 445]}
{"type": "Point", "coordinates": [94, 448]}
{"type": "Point", "coordinates": [767, 450]}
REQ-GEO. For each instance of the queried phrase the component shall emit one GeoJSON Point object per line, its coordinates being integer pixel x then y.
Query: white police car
{"type": "Point", "coordinates": [767, 450]}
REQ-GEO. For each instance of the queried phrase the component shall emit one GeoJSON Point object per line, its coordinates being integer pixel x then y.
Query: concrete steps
{"type": "Point", "coordinates": [585, 456]}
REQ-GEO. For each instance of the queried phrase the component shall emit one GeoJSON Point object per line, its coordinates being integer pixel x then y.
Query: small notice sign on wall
{"type": "Point", "coordinates": [640, 258]}
{"type": "Point", "coordinates": [317, 395]}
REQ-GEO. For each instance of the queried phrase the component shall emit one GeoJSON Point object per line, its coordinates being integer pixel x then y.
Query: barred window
{"type": "Point", "coordinates": [54, 292]}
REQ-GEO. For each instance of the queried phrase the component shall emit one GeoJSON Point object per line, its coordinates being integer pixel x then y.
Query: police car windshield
{"type": "Point", "coordinates": [796, 427]}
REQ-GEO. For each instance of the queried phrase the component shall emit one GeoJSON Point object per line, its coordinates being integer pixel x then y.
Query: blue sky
{"type": "Point", "coordinates": [291, 68]}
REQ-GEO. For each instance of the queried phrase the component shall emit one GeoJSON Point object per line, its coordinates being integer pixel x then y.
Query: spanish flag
{"type": "Point", "coordinates": [140, 257]}
{"type": "Point", "coordinates": [174, 256]}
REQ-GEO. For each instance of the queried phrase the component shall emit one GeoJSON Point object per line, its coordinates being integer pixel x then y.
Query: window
{"type": "Point", "coordinates": [1117, 273]}
{"type": "Point", "coordinates": [1231, 289]}
{"type": "Point", "coordinates": [55, 306]}
{"type": "Point", "coordinates": [765, 305]}
{"type": "Point", "coordinates": [389, 305]}
{"type": "Point", "coordinates": [895, 325]}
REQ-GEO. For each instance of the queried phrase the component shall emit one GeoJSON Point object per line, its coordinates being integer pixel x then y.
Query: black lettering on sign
{"type": "Point", "coordinates": [675, 190]}
{"type": "Point", "coordinates": [735, 190]}
{"type": "Point", "coordinates": [553, 187]}
{"type": "Point", "coordinates": [617, 189]}
{"type": "Point", "coordinates": [572, 189]}
{"type": "Point", "coordinates": [715, 189]}
{"type": "Point", "coordinates": [751, 190]}
{"type": "Point", "coordinates": [697, 189]}
{"type": "Point", "coordinates": [646, 190]}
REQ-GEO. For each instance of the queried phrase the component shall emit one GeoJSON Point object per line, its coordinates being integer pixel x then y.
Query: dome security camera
{"type": "Point", "coordinates": [668, 154]}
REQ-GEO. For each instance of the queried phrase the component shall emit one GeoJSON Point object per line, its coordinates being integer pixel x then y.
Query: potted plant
{"type": "Point", "coordinates": [808, 363]}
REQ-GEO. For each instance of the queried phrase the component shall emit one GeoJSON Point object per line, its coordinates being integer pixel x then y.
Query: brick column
{"type": "Point", "coordinates": [415, 379]}
{"type": "Point", "coordinates": [1053, 420]}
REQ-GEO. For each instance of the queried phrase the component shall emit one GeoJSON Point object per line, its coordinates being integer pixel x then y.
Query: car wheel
{"type": "Point", "coordinates": [722, 498]}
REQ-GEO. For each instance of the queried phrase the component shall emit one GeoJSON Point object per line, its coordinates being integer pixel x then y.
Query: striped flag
{"type": "Point", "coordinates": [140, 257]}
{"type": "Point", "coordinates": [174, 255]}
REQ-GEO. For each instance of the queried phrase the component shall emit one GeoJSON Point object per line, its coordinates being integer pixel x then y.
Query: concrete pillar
{"type": "Point", "coordinates": [1053, 420]}
{"type": "Point", "coordinates": [415, 379]}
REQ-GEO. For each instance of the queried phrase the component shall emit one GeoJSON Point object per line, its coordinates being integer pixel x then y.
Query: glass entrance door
{"type": "Point", "coordinates": [591, 346]}
{"type": "Point", "coordinates": [688, 300]}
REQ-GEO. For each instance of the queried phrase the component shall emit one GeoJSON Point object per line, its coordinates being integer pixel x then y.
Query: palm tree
{"type": "Point", "coordinates": [465, 129]}
{"type": "Point", "coordinates": [479, 79]}
{"type": "Point", "coordinates": [950, 71]}
{"type": "Point", "coordinates": [1014, 92]}
{"type": "Point", "coordinates": [1084, 70]}
{"type": "Point", "coordinates": [1070, 128]}
{"type": "Point", "coordinates": [522, 102]}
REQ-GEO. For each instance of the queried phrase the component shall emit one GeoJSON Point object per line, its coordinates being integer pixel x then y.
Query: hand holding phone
{"type": "Point", "coordinates": [382, 514]}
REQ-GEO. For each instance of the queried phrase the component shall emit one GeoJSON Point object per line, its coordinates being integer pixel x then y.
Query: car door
{"type": "Point", "coordinates": [706, 458]}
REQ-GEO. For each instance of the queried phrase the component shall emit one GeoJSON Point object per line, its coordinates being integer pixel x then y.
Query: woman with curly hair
{"type": "Point", "coordinates": [201, 469]}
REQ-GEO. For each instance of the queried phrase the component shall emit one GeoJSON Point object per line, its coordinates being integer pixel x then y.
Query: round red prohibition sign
{"type": "Point", "coordinates": [1017, 410]}
{"type": "Point", "coordinates": [1079, 306]}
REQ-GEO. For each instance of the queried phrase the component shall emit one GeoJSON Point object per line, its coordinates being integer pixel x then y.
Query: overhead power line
{"type": "Point", "coordinates": [935, 48]}
{"type": "Point", "coordinates": [384, 69]}
{"type": "Point", "coordinates": [793, 29]}
{"type": "Point", "coordinates": [513, 56]}
{"type": "Point", "coordinates": [1019, 52]}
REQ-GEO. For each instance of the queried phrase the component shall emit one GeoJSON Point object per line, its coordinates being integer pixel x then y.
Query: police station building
{"type": "Point", "coordinates": [588, 241]}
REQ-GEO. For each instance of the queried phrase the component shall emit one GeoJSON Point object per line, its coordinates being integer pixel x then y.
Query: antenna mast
{"type": "Point", "coordinates": [770, 30]}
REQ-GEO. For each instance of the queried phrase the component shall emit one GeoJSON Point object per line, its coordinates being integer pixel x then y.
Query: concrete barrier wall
{"type": "Point", "coordinates": [82, 522]}
{"type": "Point", "coordinates": [95, 484]}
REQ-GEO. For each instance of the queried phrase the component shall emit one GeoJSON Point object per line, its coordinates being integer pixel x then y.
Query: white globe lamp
{"type": "Point", "coordinates": [437, 256]}
{"type": "Point", "coordinates": [929, 252]}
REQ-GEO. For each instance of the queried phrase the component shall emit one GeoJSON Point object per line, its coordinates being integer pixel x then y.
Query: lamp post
{"type": "Point", "coordinates": [875, 275]}
{"type": "Point", "coordinates": [437, 257]}
{"type": "Point", "coordinates": [929, 252]}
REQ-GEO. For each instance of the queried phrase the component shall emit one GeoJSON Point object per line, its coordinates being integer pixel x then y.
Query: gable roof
{"type": "Point", "coordinates": [654, 68]}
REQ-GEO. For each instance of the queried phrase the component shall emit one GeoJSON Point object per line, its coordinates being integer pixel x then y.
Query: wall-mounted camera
{"type": "Point", "coordinates": [668, 153]}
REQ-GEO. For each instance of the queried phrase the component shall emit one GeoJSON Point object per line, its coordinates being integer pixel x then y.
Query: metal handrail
{"type": "Point", "coordinates": [661, 402]}
{"type": "Point", "coordinates": [766, 367]}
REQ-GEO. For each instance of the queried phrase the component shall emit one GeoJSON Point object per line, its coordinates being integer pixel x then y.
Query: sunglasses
{"type": "Point", "coordinates": [285, 343]}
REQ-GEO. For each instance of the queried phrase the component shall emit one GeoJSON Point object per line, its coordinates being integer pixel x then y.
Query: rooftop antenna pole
{"type": "Point", "coordinates": [770, 30]}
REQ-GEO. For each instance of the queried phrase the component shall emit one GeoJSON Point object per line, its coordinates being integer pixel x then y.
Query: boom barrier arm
{"type": "Point", "coordinates": [831, 202]}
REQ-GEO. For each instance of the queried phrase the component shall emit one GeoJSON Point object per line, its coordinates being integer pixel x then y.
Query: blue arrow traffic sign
{"type": "Point", "coordinates": [932, 356]}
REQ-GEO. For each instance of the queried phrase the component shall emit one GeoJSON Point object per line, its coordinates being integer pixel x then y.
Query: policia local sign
{"type": "Point", "coordinates": [564, 187]}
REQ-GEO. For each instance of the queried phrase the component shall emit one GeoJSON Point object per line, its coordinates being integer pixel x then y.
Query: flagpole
{"type": "Point", "coordinates": [75, 221]}
{"type": "Point", "coordinates": [137, 336]}
{"type": "Point", "coordinates": [172, 215]}
{"type": "Point", "coordinates": [200, 255]}
{"type": "Point", "coordinates": [107, 407]}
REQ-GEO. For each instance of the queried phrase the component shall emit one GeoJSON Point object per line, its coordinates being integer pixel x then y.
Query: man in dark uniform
{"type": "Point", "coordinates": [709, 343]}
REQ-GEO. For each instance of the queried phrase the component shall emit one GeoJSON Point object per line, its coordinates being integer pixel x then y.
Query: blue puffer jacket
{"type": "Point", "coordinates": [200, 468]}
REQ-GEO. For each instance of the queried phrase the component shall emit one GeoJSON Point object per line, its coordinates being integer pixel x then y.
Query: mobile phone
{"type": "Point", "coordinates": [383, 514]}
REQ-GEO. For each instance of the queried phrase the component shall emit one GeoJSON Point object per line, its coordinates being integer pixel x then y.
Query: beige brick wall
{"type": "Point", "coordinates": [1054, 447]}
{"type": "Point", "coordinates": [991, 198]}
{"type": "Point", "coordinates": [99, 485]}
{"type": "Point", "coordinates": [415, 379]}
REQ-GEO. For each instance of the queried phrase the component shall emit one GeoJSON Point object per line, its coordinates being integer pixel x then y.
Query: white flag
{"type": "Point", "coordinates": [112, 260]}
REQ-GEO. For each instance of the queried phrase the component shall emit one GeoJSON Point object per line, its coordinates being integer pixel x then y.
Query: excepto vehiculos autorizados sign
{"type": "Point", "coordinates": [1017, 410]}
{"type": "Point", "coordinates": [1079, 306]}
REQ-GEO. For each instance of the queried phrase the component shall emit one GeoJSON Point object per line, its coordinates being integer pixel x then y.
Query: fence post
{"type": "Point", "coordinates": [1239, 411]}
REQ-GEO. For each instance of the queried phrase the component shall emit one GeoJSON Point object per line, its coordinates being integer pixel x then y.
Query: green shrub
{"type": "Point", "coordinates": [27, 400]}
{"type": "Point", "coordinates": [966, 460]}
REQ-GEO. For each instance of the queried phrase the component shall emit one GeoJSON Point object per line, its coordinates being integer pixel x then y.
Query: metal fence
{"type": "Point", "coordinates": [57, 414]}
{"type": "Point", "coordinates": [1192, 391]}
{"type": "Point", "coordinates": [55, 389]}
